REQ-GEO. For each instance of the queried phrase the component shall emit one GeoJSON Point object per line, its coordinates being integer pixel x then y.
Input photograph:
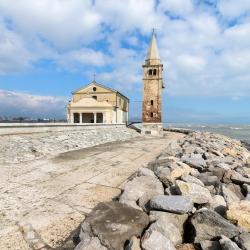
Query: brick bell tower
{"type": "Point", "coordinates": [152, 94]}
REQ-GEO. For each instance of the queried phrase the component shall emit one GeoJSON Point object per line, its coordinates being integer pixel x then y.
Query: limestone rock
{"type": "Point", "coordinates": [218, 204]}
{"type": "Point", "coordinates": [143, 201]}
{"type": "Point", "coordinates": [210, 245]}
{"type": "Point", "coordinates": [195, 161]}
{"type": "Point", "coordinates": [236, 189]}
{"type": "Point", "coordinates": [246, 189]}
{"type": "Point", "coordinates": [227, 244]}
{"type": "Point", "coordinates": [185, 247]}
{"type": "Point", "coordinates": [208, 179]}
{"type": "Point", "coordinates": [175, 170]}
{"type": "Point", "coordinates": [134, 244]}
{"type": "Point", "coordinates": [243, 241]}
{"type": "Point", "coordinates": [230, 151]}
{"type": "Point", "coordinates": [192, 179]}
{"type": "Point", "coordinates": [135, 189]}
{"type": "Point", "coordinates": [246, 170]}
{"type": "Point", "coordinates": [167, 229]}
{"type": "Point", "coordinates": [239, 179]}
{"type": "Point", "coordinates": [172, 203]}
{"type": "Point", "coordinates": [163, 174]}
{"type": "Point", "coordinates": [91, 244]}
{"type": "Point", "coordinates": [240, 212]}
{"type": "Point", "coordinates": [209, 225]}
{"type": "Point", "coordinates": [229, 196]}
{"type": "Point", "coordinates": [197, 193]}
{"type": "Point", "coordinates": [114, 223]}
{"type": "Point", "coordinates": [145, 172]}
{"type": "Point", "coordinates": [177, 219]}
{"type": "Point", "coordinates": [219, 172]}
{"type": "Point", "coordinates": [153, 240]}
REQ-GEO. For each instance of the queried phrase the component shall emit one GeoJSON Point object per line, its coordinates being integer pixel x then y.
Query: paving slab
{"type": "Point", "coordinates": [53, 195]}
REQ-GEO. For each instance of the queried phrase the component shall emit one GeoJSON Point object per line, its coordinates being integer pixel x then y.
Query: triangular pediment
{"type": "Point", "coordinates": [90, 89]}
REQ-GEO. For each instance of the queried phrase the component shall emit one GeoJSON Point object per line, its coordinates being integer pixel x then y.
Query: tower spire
{"type": "Point", "coordinates": [153, 52]}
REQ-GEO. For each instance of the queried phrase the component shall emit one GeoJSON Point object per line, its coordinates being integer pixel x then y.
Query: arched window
{"type": "Point", "coordinates": [154, 72]}
{"type": "Point", "coordinates": [95, 97]}
{"type": "Point", "coordinates": [151, 114]}
{"type": "Point", "coordinates": [152, 102]}
{"type": "Point", "coordinates": [150, 72]}
{"type": "Point", "coordinates": [94, 89]}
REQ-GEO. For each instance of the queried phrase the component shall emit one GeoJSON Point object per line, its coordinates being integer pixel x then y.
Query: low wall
{"type": "Point", "coordinates": [28, 128]}
{"type": "Point", "coordinates": [26, 142]}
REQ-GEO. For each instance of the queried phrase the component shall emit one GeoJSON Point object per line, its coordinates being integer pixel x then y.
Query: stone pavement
{"type": "Point", "coordinates": [43, 201]}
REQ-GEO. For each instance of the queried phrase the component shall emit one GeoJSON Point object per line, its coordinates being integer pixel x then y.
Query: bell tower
{"type": "Point", "coordinates": [152, 93]}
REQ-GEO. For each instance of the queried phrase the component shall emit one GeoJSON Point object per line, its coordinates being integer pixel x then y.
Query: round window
{"type": "Point", "coordinates": [94, 89]}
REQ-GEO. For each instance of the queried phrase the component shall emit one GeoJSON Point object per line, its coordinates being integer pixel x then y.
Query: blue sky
{"type": "Point", "coordinates": [49, 48]}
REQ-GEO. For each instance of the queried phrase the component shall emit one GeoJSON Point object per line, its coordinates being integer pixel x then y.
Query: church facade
{"type": "Point", "coordinates": [96, 103]}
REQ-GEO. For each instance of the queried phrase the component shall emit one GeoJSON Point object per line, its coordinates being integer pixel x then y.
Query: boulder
{"type": "Point", "coordinates": [230, 151]}
{"type": "Point", "coordinates": [192, 179]}
{"type": "Point", "coordinates": [243, 241]}
{"type": "Point", "coordinates": [175, 170]}
{"type": "Point", "coordinates": [145, 172]}
{"type": "Point", "coordinates": [113, 223]}
{"type": "Point", "coordinates": [143, 201]}
{"type": "Point", "coordinates": [229, 196]}
{"type": "Point", "coordinates": [195, 161]}
{"type": "Point", "coordinates": [240, 212]}
{"type": "Point", "coordinates": [172, 203]}
{"type": "Point", "coordinates": [246, 170]}
{"type": "Point", "coordinates": [210, 245]}
{"type": "Point", "coordinates": [218, 204]}
{"type": "Point", "coordinates": [236, 189]}
{"type": "Point", "coordinates": [246, 189]}
{"type": "Point", "coordinates": [224, 166]}
{"type": "Point", "coordinates": [177, 219]}
{"type": "Point", "coordinates": [185, 247]}
{"type": "Point", "coordinates": [163, 173]}
{"type": "Point", "coordinates": [219, 172]}
{"type": "Point", "coordinates": [227, 244]}
{"type": "Point", "coordinates": [153, 240]}
{"type": "Point", "coordinates": [208, 225]}
{"type": "Point", "coordinates": [167, 229]}
{"type": "Point", "coordinates": [136, 188]}
{"type": "Point", "coordinates": [209, 179]}
{"type": "Point", "coordinates": [91, 244]}
{"type": "Point", "coordinates": [197, 193]}
{"type": "Point", "coordinates": [239, 179]}
{"type": "Point", "coordinates": [133, 244]}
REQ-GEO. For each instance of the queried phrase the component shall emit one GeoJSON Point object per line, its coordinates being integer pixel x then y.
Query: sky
{"type": "Point", "coordinates": [49, 48]}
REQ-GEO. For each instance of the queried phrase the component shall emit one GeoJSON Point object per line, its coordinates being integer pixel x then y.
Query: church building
{"type": "Point", "coordinates": [96, 103]}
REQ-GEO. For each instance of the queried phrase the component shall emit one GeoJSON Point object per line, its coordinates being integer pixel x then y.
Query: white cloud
{"type": "Point", "coordinates": [61, 22]}
{"type": "Point", "coordinates": [176, 7]}
{"type": "Point", "coordinates": [233, 8]}
{"type": "Point", "coordinates": [201, 54]}
{"type": "Point", "coordinates": [36, 106]}
{"type": "Point", "coordinates": [75, 59]}
{"type": "Point", "coordinates": [13, 53]}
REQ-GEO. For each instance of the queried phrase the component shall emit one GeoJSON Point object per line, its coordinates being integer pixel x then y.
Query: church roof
{"type": "Point", "coordinates": [153, 52]}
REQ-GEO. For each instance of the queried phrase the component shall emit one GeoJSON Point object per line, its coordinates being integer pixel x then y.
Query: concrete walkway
{"type": "Point", "coordinates": [43, 201]}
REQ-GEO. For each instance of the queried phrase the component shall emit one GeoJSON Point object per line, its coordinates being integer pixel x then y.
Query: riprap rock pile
{"type": "Point", "coordinates": [195, 195]}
